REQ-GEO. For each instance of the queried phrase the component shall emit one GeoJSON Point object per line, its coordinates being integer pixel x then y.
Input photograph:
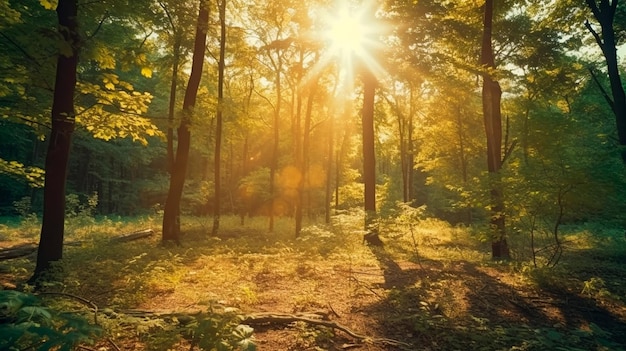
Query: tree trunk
{"type": "Point", "coordinates": [276, 125]}
{"type": "Point", "coordinates": [605, 15]}
{"type": "Point", "coordinates": [491, 95]}
{"type": "Point", "coordinates": [369, 156]}
{"type": "Point", "coordinates": [171, 221]}
{"type": "Point", "coordinates": [304, 164]}
{"type": "Point", "coordinates": [218, 122]}
{"type": "Point", "coordinates": [329, 168]}
{"type": "Point", "coordinates": [172, 107]}
{"type": "Point", "coordinates": [63, 122]}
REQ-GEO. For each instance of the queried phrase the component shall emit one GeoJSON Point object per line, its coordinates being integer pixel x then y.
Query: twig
{"type": "Point", "coordinates": [113, 344]}
{"type": "Point", "coordinates": [333, 311]}
{"type": "Point", "coordinates": [77, 298]}
{"type": "Point", "coordinates": [280, 318]}
{"type": "Point", "coordinates": [359, 283]}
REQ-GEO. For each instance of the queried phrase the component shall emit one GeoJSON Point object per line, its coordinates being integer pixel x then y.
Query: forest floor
{"type": "Point", "coordinates": [433, 287]}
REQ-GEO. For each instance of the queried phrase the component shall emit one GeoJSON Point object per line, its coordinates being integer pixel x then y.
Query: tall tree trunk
{"type": "Point", "coordinates": [304, 160]}
{"type": "Point", "coordinates": [173, 87]}
{"type": "Point", "coordinates": [605, 15]}
{"type": "Point", "coordinates": [63, 122]}
{"type": "Point", "coordinates": [298, 145]}
{"type": "Point", "coordinates": [411, 151]}
{"type": "Point", "coordinates": [218, 122]}
{"type": "Point", "coordinates": [276, 126]}
{"type": "Point", "coordinates": [171, 221]}
{"type": "Point", "coordinates": [329, 168]}
{"type": "Point", "coordinates": [369, 156]}
{"type": "Point", "coordinates": [172, 106]}
{"type": "Point", "coordinates": [491, 95]}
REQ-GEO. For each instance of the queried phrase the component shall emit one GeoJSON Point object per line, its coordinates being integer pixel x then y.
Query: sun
{"type": "Point", "coordinates": [346, 33]}
{"type": "Point", "coordinates": [352, 38]}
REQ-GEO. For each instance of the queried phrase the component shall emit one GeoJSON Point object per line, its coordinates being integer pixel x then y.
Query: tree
{"type": "Point", "coordinates": [492, 115]}
{"type": "Point", "coordinates": [63, 123]}
{"type": "Point", "coordinates": [171, 215]}
{"type": "Point", "coordinates": [220, 110]}
{"type": "Point", "coordinates": [369, 153]}
{"type": "Point", "coordinates": [606, 13]}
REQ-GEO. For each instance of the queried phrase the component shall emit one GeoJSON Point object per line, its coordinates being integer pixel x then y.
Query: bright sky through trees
{"type": "Point", "coordinates": [352, 34]}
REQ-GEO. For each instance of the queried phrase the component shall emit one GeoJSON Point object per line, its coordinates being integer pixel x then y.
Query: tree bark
{"type": "Point", "coordinates": [172, 107]}
{"type": "Point", "coordinates": [491, 96]}
{"type": "Point", "coordinates": [605, 15]}
{"type": "Point", "coordinates": [219, 117]}
{"type": "Point", "coordinates": [369, 155]}
{"type": "Point", "coordinates": [276, 126]}
{"type": "Point", "coordinates": [171, 221]}
{"type": "Point", "coordinates": [63, 123]}
{"type": "Point", "coordinates": [329, 169]}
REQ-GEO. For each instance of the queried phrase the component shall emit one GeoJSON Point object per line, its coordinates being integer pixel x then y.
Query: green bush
{"type": "Point", "coordinates": [26, 324]}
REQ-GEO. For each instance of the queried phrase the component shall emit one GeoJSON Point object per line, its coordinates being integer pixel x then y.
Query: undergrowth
{"type": "Point", "coordinates": [439, 289]}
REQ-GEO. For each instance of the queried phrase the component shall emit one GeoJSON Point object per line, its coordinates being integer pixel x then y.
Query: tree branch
{"type": "Point", "coordinates": [595, 35]}
{"type": "Point", "coordinates": [604, 93]}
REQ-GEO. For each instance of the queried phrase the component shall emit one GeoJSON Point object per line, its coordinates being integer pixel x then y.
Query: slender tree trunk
{"type": "Point", "coordinates": [298, 146]}
{"type": "Point", "coordinates": [218, 123]}
{"type": "Point", "coordinates": [369, 156]}
{"type": "Point", "coordinates": [605, 15]}
{"type": "Point", "coordinates": [63, 122]}
{"type": "Point", "coordinates": [171, 220]}
{"type": "Point", "coordinates": [276, 125]}
{"type": "Point", "coordinates": [491, 94]}
{"type": "Point", "coordinates": [329, 168]}
{"type": "Point", "coordinates": [172, 106]}
{"type": "Point", "coordinates": [304, 165]}
{"type": "Point", "coordinates": [411, 157]}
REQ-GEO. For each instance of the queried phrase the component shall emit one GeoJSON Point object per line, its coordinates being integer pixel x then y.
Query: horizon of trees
{"type": "Point", "coordinates": [285, 110]}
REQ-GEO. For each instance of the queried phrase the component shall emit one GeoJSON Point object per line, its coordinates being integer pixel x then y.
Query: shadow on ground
{"type": "Point", "coordinates": [461, 305]}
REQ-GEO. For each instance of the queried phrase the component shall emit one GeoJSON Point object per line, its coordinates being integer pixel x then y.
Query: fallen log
{"type": "Point", "coordinates": [132, 236]}
{"type": "Point", "coordinates": [266, 318]}
{"type": "Point", "coordinates": [26, 249]}
{"type": "Point", "coordinates": [16, 251]}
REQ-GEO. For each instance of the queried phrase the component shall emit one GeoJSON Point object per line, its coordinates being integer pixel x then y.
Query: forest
{"type": "Point", "coordinates": [312, 175]}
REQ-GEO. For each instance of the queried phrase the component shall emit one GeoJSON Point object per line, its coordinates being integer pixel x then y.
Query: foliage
{"type": "Point", "coordinates": [26, 323]}
{"type": "Point", "coordinates": [221, 330]}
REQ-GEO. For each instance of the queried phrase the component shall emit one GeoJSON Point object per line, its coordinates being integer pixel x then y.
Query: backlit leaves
{"type": "Point", "coordinates": [146, 72]}
{"type": "Point", "coordinates": [33, 175]}
{"type": "Point", "coordinates": [49, 4]}
{"type": "Point", "coordinates": [8, 15]}
{"type": "Point", "coordinates": [115, 111]}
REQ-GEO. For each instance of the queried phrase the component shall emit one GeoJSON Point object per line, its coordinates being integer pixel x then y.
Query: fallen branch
{"type": "Point", "coordinates": [26, 249]}
{"type": "Point", "coordinates": [318, 318]}
{"type": "Point", "coordinates": [132, 236]}
{"type": "Point", "coordinates": [285, 318]}
{"type": "Point", "coordinates": [16, 251]}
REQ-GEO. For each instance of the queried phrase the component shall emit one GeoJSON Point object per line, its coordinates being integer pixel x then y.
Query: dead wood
{"type": "Point", "coordinates": [266, 318]}
{"type": "Point", "coordinates": [318, 318]}
{"type": "Point", "coordinates": [16, 251]}
{"type": "Point", "coordinates": [132, 236]}
{"type": "Point", "coordinates": [26, 249]}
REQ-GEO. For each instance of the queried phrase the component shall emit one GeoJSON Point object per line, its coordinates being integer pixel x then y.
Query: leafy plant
{"type": "Point", "coordinates": [221, 330]}
{"type": "Point", "coordinates": [26, 324]}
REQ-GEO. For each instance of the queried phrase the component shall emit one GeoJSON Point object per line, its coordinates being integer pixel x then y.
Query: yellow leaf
{"type": "Point", "coordinates": [109, 86]}
{"type": "Point", "coordinates": [49, 4]}
{"type": "Point", "coordinates": [146, 72]}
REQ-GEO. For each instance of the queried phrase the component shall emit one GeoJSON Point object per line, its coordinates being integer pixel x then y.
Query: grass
{"type": "Point", "coordinates": [432, 285]}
